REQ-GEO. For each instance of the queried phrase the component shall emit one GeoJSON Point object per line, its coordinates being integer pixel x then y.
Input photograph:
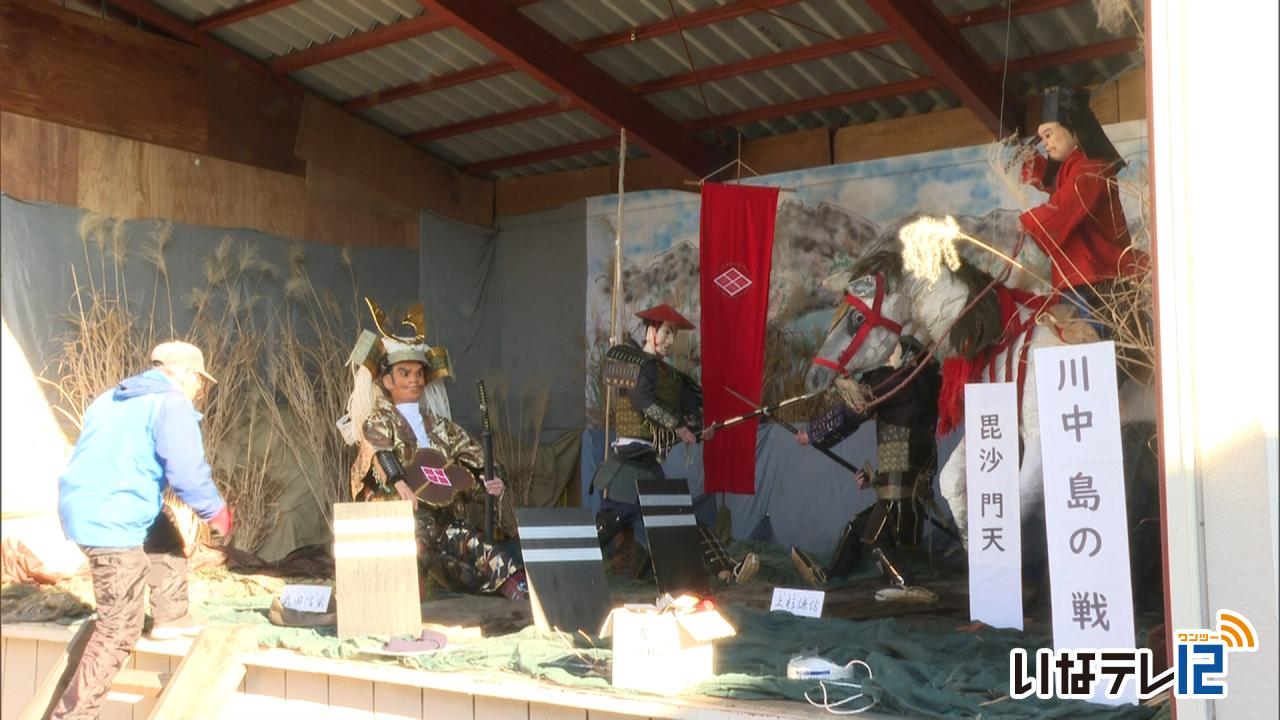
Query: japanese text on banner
{"type": "Point", "coordinates": [994, 508]}
{"type": "Point", "coordinates": [1084, 498]}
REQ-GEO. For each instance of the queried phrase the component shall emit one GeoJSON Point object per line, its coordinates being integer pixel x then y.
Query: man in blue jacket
{"type": "Point", "coordinates": [136, 439]}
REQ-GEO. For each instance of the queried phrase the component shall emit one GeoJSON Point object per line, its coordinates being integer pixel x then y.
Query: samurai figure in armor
{"type": "Point", "coordinates": [657, 407]}
{"type": "Point", "coordinates": [399, 407]}
{"type": "Point", "coordinates": [907, 459]}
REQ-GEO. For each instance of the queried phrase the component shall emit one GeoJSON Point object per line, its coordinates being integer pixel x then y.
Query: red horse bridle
{"type": "Point", "coordinates": [872, 317]}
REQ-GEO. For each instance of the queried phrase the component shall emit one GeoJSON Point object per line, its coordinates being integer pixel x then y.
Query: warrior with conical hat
{"type": "Point", "coordinates": [657, 407]}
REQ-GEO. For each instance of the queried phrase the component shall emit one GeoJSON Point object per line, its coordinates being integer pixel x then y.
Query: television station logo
{"type": "Point", "coordinates": [1199, 668]}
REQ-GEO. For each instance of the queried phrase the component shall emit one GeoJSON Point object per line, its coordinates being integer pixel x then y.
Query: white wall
{"type": "Point", "coordinates": [1214, 158]}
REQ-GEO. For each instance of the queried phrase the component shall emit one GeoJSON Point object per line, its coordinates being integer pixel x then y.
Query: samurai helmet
{"type": "Point", "coordinates": [380, 351]}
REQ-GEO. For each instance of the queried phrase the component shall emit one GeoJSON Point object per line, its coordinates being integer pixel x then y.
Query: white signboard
{"type": "Point", "coordinates": [805, 603]}
{"type": "Point", "coordinates": [995, 512]}
{"type": "Point", "coordinates": [306, 598]}
{"type": "Point", "coordinates": [1084, 501]}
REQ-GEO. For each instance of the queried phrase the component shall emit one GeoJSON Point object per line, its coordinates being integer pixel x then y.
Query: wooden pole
{"type": "Point", "coordinates": [615, 327]}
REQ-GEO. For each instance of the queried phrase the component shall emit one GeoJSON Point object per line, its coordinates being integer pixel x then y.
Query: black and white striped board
{"type": "Point", "coordinates": [674, 542]}
{"type": "Point", "coordinates": [565, 568]}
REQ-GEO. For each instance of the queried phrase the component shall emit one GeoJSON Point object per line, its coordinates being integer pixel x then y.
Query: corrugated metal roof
{"type": "Point", "coordinates": [785, 27]}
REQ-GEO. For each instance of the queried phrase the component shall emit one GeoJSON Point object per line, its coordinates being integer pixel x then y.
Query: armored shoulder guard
{"type": "Point", "coordinates": [622, 366]}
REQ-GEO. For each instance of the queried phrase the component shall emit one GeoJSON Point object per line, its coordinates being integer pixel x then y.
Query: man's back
{"type": "Point", "coordinates": [133, 436]}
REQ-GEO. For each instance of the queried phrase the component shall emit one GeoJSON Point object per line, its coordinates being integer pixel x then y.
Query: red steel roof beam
{"type": "Point", "coordinates": [356, 43]}
{"type": "Point", "coordinates": [728, 11]}
{"type": "Point", "coordinates": [644, 32]}
{"type": "Point", "coordinates": [177, 27]}
{"type": "Point", "coordinates": [235, 14]}
{"type": "Point", "coordinates": [367, 40]}
{"type": "Point", "coordinates": [720, 72]}
{"type": "Point", "coordinates": [537, 53]}
{"type": "Point", "coordinates": [1062, 57]}
{"type": "Point", "coordinates": [952, 60]}
{"type": "Point", "coordinates": [439, 82]}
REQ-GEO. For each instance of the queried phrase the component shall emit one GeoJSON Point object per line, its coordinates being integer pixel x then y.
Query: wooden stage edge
{"type": "Point", "coordinates": [282, 683]}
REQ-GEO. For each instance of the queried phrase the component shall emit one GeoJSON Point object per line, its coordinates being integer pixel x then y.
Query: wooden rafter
{"type": "Point", "coordinates": [539, 54]}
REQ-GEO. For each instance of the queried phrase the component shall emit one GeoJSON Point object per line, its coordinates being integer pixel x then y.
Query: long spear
{"type": "Point", "coordinates": [755, 413]}
{"type": "Point", "coordinates": [769, 413]}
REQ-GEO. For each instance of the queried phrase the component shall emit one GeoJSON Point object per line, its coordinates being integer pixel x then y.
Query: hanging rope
{"type": "Point", "coordinates": [615, 325]}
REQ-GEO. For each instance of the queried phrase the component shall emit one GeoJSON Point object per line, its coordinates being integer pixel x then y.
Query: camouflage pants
{"type": "Point", "coordinates": [119, 576]}
{"type": "Point", "coordinates": [464, 561]}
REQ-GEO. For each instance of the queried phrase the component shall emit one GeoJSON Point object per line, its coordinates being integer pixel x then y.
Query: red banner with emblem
{"type": "Point", "coordinates": [736, 253]}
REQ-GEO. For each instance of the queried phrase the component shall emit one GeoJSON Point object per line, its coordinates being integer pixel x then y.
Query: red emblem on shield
{"type": "Point", "coordinates": [436, 476]}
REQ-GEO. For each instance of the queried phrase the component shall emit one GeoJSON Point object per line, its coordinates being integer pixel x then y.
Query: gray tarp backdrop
{"type": "Point", "coordinates": [41, 244]}
{"type": "Point", "coordinates": [507, 305]}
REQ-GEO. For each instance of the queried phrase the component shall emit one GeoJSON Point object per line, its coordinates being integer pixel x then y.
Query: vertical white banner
{"type": "Point", "coordinates": [995, 523]}
{"type": "Point", "coordinates": [1084, 501]}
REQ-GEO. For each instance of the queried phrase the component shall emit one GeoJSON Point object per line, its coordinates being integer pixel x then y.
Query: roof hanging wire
{"type": "Point", "coordinates": [706, 106]}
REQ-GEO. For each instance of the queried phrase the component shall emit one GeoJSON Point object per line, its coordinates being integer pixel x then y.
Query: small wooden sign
{"type": "Point", "coordinates": [375, 557]}
{"type": "Point", "coordinates": [562, 557]}
{"type": "Point", "coordinates": [674, 542]}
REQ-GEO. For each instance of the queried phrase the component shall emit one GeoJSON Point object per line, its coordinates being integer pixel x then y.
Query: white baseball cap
{"type": "Point", "coordinates": [177, 356]}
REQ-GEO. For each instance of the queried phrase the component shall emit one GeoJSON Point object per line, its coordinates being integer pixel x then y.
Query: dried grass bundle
{"type": "Point", "coordinates": [280, 373]}
{"type": "Point", "coordinates": [516, 443]}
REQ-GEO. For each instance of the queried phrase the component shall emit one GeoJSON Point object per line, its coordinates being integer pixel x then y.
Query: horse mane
{"type": "Point", "coordinates": [980, 326]}
{"type": "Point", "coordinates": [973, 332]}
{"type": "Point", "coordinates": [885, 262]}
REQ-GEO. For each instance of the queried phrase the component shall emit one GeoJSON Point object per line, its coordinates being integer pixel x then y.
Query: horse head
{"type": "Point", "coordinates": [868, 322]}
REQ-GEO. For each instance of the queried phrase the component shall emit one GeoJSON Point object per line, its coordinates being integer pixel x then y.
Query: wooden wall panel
{"type": "Point", "coordinates": [384, 163]}
{"type": "Point", "coordinates": [40, 161]}
{"type": "Point", "coordinates": [78, 70]}
{"type": "Point", "coordinates": [517, 196]}
{"type": "Point", "coordinates": [492, 708]}
{"type": "Point", "coordinates": [131, 179]}
{"type": "Point", "coordinates": [251, 120]}
{"type": "Point", "coordinates": [307, 694]}
{"type": "Point", "coordinates": [18, 684]}
{"type": "Point", "coordinates": [909, 135]}
{"type": "Point", "coordinates": [352, 699]}
{"type": "Point", "coordinates": [439, 705]}
{"type": "Point", "coordinates": [791, 151]}
{"type": "Point", "coordinates": [394, 702]}
{"type": "Point", "coordinates": [539, 711]}
{"type": "Point", "coordinates": [653, 173]}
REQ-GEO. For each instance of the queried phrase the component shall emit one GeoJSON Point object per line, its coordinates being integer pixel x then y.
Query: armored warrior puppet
{"type": "Point", "coordinates": [1081, 227]}
{"type": "Point", "coordinates": [409, 449]}
{"type": "Point", "coordinates": [657, 407]}
{"type": "Point", "coordinates": [906, 456]}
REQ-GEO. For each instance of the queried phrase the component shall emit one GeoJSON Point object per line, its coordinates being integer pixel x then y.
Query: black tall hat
{"type": "Point", "coordinates": [1069, 106]}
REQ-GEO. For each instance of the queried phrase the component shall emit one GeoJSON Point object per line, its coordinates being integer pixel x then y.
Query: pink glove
{"type": "Point", "coordinates": [221, 523]}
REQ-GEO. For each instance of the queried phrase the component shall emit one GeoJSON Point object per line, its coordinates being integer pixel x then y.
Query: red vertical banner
{"type": "Point", "coordinates": [736, 255]}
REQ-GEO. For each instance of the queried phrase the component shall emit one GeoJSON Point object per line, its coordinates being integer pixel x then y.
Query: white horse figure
{"type": "Point", "coordinates": [883, 295]}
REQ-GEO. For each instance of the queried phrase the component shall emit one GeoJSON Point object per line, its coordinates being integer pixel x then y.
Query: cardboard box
{"type": "Point", "coordinates": [663, 652]}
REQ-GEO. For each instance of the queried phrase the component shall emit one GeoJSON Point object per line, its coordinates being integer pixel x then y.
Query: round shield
{"type": "Point", "coordinates": [435, 480]}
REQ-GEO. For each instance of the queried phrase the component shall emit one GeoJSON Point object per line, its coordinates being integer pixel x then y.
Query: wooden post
{"type": "Point", "coordinates": [375, 558]}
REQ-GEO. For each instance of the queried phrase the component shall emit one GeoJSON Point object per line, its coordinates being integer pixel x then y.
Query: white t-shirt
{"type": "Point", "coordinates": [413, 414]}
